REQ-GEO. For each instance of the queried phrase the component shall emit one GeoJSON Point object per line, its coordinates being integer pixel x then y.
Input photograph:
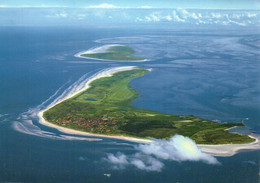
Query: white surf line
{"type": "Point", "coordinates": [24, 123]}
{"type": "Point", "coordinates": [51, 97]}
{"type": "Point", "coordinates": [76, 89]}
{"type": "Point", "coordinates": [28, 128]}
{"type": "Point", "coordinates": [100, 49]}
{"type": "Point", "coordinates": [3, 117]}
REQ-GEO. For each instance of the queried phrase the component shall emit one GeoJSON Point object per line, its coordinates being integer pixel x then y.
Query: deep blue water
{"type": "Point", "coordinates": [213, 74]}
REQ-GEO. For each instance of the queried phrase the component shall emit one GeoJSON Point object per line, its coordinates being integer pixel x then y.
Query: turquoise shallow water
{"type": "Point", "coordinates": [213, 74]}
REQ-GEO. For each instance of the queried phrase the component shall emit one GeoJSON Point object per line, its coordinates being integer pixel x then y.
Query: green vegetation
{"type": "Point", "coordinates": [118, 53]}
{"type": "Point", "coordinates": [105, 108]}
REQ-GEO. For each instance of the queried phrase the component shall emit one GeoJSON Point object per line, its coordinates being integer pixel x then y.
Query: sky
{"type": "Point", "coordinates": [201, 4]}
{"type": "Point", "coordinates": [108, 12]}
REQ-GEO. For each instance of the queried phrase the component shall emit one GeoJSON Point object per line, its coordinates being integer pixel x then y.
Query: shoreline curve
{"type": "Point", "coordinates": [223, 150]}
{"type": "Point", "coordinates": [103, 49]}
{"type": "Point", "coordinates": [104, 73]}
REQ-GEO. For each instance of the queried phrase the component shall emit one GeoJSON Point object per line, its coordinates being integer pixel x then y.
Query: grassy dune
{"type": "Point", "coordinates": [105, 108]}
{"type": "Point", "coordinates": [119, 53]}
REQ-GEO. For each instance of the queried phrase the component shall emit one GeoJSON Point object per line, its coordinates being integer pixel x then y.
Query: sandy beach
{"type": "Point", "coordinates": [103, 49]}
{"type": "Point", "coordinates": [231, 149]}
{"type": "Point", "coordinates": [224, 150]}
{"type": "Point", "coordinates": [76, 132]}
{"type": "Point", "coordinates": [105, 73]}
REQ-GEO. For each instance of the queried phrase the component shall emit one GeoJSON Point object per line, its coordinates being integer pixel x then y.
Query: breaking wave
{"type": "Point", "coordinates": [28, 122]}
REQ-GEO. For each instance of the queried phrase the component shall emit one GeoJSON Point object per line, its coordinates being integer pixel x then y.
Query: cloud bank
{"type": "Point", "coordinates": [107, 14]}
{"type": "Point", "coordinates": [150, 156]}
{"type": "Point", "coordinates": [145, 7]}
{"type": "Point", "coordinates": [197, 17]}
{"type": "Point", "coordinates": [104, 5]}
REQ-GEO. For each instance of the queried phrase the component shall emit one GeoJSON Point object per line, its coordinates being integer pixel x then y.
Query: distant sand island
{"type": "Point", "coordinates": [105, 108]}
{"type": "Point", "coordinates": [111, 53]}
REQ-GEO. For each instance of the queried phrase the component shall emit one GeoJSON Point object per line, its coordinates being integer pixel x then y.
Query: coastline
{"type": "Point", "coordinates": [223, 150]}
{"type": "Point", "coordinates": [103, 49]}
{"type": "Point", "coordinates": [226, 150]}
{"type": "Point", "coordinates": [77, 132]}
{"type": "Point", "coordinates": [104, 73]}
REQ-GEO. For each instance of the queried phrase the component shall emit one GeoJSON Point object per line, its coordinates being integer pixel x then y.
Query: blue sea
{"type": "Point", "coordinates": [209, 72]}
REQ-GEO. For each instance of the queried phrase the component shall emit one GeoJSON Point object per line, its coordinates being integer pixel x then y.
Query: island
{"type": "Point", "coordinates": [111, 53]}
{"type": "Point", "coordinates": [105, 108]}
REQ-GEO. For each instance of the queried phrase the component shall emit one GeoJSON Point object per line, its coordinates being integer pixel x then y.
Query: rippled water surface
{"type": "Point", "coordinates": [212, 74]}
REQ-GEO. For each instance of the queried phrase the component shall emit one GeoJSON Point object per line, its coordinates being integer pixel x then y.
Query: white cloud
{"type": "Point", "coordinates": [104, 5]}
{"type": "Point", "coordinates": [250, 15]}
{"type": "Point", "coordinates": [140, 161]}
{"type": "Point", "coordinates": [148, 19]}
{"type": "Point", "coordinates": [155, 17]}
{"type": "Point", "coordinates": [178, 148]}
{"type": "Point", "coordinates": [176, 17]}
{"type": "Point", "coordinates": [145, 7]}
{"type": "Point", "coordinates": [119, 158]}
{"type": "Point", "coordinates": [81, 16]}
{"type": "Point", "coordinates": [58, 15]}
{"type": "Point", "coordinates": [138, 19]}
{"type": "Point", "coordinates": [3, 6]}
{"type": "Point", "coordinates": [194, 15]}
{"type": "Point", "coordinates": [184, 13]}
{"type": "Point", "coordinates": [216, 15]}
{"type": "Point", "coordinates": [150, 156]}
{"type": "Point", "coordinates": [64, 15]}
{"type": "Point", "coordinates": [169, 18]}
{"type": "Point", "coordinates": [234, 22]}
{"type": "Point", "coordinates": [147, 163]}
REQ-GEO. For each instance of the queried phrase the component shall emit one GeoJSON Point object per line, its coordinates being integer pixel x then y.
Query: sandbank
{"type": "Point", "coordinates": [103, 49]}
{"type": "Point", "coordinates": [226, 150]}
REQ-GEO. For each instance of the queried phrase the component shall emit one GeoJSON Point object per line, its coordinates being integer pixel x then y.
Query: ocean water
{"type": "Point", "coordinates": [212, 73]}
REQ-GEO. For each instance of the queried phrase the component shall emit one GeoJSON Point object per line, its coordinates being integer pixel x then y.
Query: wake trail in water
{"type": "Point", "coordinates": [27, 122]}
